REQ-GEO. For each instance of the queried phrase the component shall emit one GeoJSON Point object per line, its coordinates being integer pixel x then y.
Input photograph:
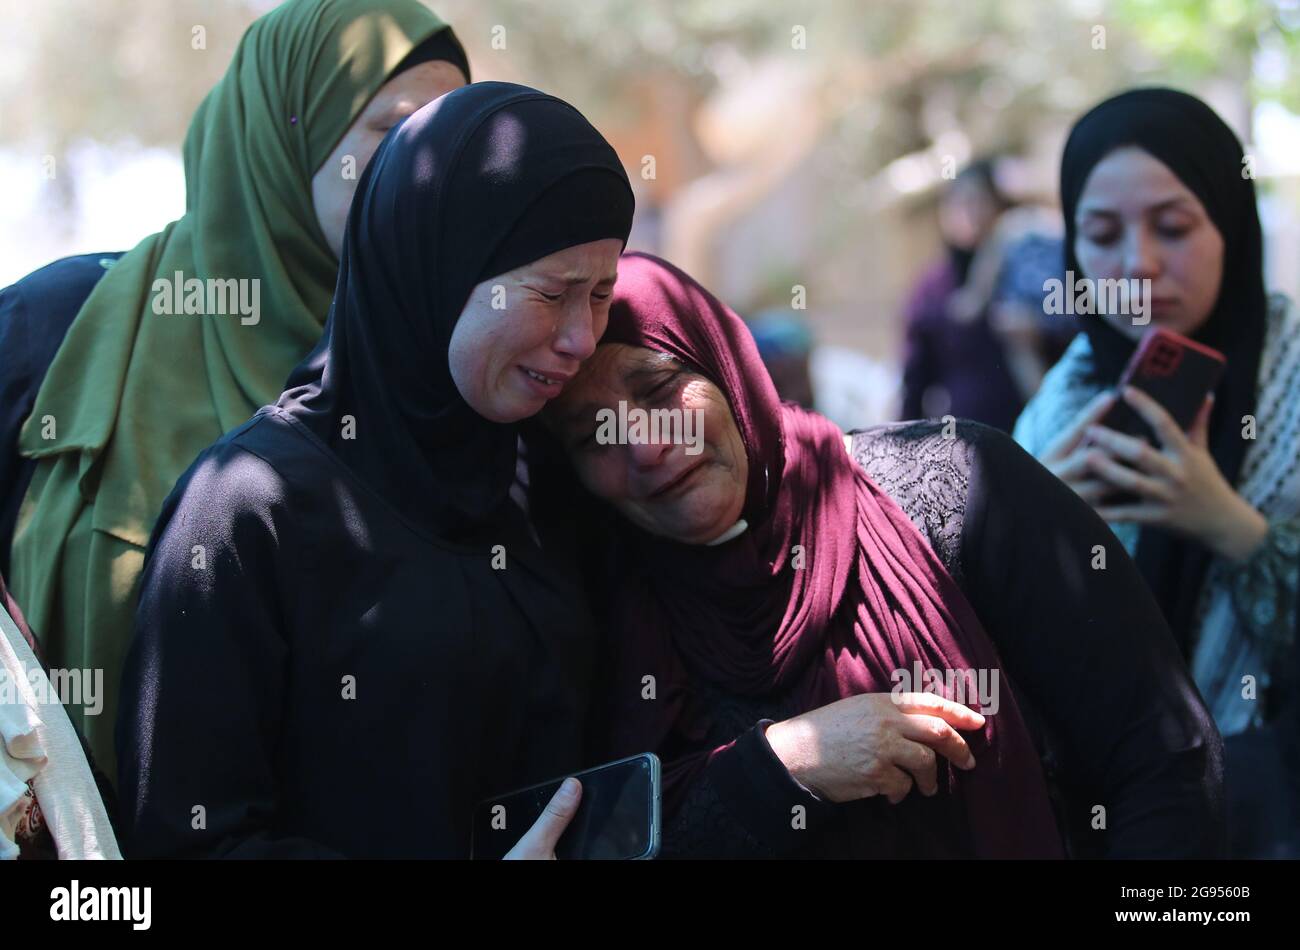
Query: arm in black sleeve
{"type": "Point", "coordinates": [741, 803]}
{"type": "Point", "coordinates": [203, 687]}
{"type": "Point", "coordinates": [1084, 640]}
{"type": "Point", "coordinates": [35, 314]}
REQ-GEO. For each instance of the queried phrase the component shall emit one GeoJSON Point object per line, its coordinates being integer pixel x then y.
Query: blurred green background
{"type": "Point", "coordinates": [772, 143]}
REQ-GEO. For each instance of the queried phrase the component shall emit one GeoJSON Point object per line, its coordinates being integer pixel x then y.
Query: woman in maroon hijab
{"type": "Point", "coordinates": [799, 619]}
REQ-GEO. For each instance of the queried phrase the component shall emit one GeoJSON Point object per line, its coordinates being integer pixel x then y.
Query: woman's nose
{"type": "Point", "coordinates": [1142, 256]}
{"type": "Point", "coordinates": [576, 337]}
{"type": "Point", "coordinates": [649, 454]}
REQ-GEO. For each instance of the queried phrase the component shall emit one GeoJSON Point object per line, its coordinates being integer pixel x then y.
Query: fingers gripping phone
{"type": "Point", "coordinates": [1176, 372]}
{"type": "Point", "coordinates": [617, 818]}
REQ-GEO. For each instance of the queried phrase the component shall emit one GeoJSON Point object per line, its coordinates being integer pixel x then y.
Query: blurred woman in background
{"type": "Point", "coordinates": [1155, 187]}
{"type": "Point", "coordinates": [951, 365]}
{"type": "Point", "coordinates": [1005, 289]}
{"type": "Point", "coordinates": [135, 391]}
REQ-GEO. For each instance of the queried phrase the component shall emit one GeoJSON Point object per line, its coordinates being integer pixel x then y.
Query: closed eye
{"type": "Point", "coordinates": [587, 442]}
{"type": "Point", "coordinates": [1101, 237]}
{"type": "Point", "coordinates": [663, 387]}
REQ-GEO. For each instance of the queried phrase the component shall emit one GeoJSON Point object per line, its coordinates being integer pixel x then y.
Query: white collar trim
{"type": "Point", "coordinates": [735, 531]}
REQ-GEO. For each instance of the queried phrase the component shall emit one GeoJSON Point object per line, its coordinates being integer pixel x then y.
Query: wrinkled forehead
{"type": "Point", "coordinates": [612, 373]}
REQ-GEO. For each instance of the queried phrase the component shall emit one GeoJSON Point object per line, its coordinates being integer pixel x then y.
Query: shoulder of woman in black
{"type": "Point", "coordinates": [240, 476]}
{"type": "Point", "coordinates": [35, 313]}
{"type": "Point", "coordinates": [208, 616]}
{"type": "Point", "coordinates": [1082, 638]}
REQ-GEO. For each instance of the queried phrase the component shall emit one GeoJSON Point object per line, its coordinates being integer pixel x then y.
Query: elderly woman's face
{"type": "Point", "coordinates": [1137, 220]}
{"type": "Point", "coordinates": [687, 491]}
{"type": "Point", "coordinates": [523, 334]}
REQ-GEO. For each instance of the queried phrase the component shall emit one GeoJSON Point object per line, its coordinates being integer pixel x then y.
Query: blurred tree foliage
{"type": "Point", "coordinates": [894, 71]}
{"type": "Point", "coordinates": [897, 72]}
{"type": "Point", "coordinates": [891, 77]}
{"type": "Point", "coordinates": [1205, 37]}
{"type": "Point", "coordinates": [111, 69]}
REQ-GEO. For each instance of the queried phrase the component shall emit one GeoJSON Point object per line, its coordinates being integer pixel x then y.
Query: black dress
{"type": "Point", "coordinates": [1104, 691]}
{"type": "Point", "coordinates": [315, 676]}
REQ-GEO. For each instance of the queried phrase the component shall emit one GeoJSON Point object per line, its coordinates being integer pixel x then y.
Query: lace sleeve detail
{"type": "Point", "coordinates": [1265, 589]}
{"type": "Point", "coordinates": [925, 467]}
{"type": "Point", "coordinates": [740, 805]}
{"type": "Point", "coordinates": [705, 827]}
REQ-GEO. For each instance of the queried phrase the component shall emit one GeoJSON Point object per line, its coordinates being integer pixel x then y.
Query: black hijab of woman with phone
{"type": "Point", "coordinates": [1186, 135]}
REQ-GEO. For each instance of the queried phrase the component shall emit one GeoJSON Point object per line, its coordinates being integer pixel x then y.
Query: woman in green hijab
{"type": "Point", "coordinates": [199, 325]}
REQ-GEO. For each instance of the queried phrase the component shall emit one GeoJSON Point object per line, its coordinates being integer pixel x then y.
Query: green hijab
{"type": "Point", "coordinates": [134, 394]}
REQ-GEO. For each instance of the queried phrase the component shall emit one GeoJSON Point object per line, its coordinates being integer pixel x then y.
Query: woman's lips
{"type": "Point", "coordinates": [544, 384]}
{"type": "Point", "coordinates": [675, 483]}
{"type": "Point", "coordinates": [556, 375]}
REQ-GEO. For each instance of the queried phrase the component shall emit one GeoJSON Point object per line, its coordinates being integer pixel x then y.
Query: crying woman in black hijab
{"type": "Point", "coordinates": [344, 612]}
{"type": "Point", "coordinates": [1157, 189]}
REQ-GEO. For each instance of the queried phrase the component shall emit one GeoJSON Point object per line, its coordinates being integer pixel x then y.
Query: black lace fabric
{"type": "Point", "coordinates": [925, 467]}
{"type": "Point", "coordinates": [1131, 756]}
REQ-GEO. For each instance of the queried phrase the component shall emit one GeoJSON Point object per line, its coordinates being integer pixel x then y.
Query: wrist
{"type": "Point", "coordinates": [1243, 530]}
{"type": "Point", "coordinates": [787, 743]}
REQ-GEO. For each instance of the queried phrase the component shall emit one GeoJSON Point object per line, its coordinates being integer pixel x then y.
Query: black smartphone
{"type": "Point", "coordinates": [617, 819]}
{"type": "Point", "coordinates": [1176, 372]}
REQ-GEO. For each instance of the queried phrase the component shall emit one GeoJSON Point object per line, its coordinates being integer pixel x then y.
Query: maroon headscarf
{"type": "Point", "coordinates": [829, 591]}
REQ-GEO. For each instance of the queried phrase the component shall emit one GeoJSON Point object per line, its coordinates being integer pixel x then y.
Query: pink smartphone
{"type": "Point", "coordinates": [1176, 372]}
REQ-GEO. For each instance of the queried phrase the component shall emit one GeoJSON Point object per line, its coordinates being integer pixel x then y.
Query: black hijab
{"type": "Point", "coordinates": [442, 46]}
{"type": "Point", "coordinates": [485, 179]}
{"type": "Point", "coordinates": [1196, 145]}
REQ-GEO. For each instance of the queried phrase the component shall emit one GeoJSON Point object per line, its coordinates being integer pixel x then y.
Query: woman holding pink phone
{"type": "Point", "coordinates": [1156, 188]}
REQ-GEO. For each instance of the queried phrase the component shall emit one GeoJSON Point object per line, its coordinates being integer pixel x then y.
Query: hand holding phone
{"type": "Point", "coordinates": [1176, 372]}
{"type": "Point", "coordinates": [538, 842]}
{"type": "Point", "coordinates": [1067, 456]}
{"type": "Point", "coordinates": [615, 816]}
